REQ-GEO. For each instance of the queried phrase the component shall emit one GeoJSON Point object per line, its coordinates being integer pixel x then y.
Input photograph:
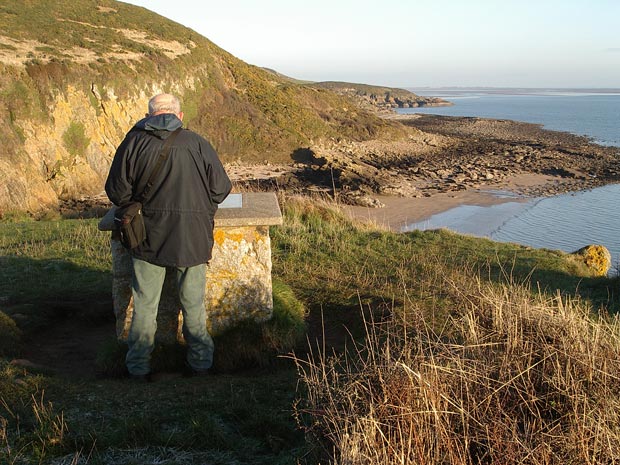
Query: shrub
{"type": "Point", "coordinates": [75, 140]}
{"type": "Point", "coordinates": [10, 335]}
{"type": "Point", "coordinates": [596, 257]}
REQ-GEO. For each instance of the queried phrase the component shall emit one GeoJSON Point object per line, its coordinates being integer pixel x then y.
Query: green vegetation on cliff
{"type": "Point", "coordinates": [96, 63]}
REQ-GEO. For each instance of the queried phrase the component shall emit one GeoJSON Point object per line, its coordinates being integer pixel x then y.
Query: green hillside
{"type": "Point", "coordinates": [76, 74]}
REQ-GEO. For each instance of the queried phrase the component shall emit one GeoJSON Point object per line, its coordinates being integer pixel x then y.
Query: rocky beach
{"type": "Point", "coordinates": [447, 161]}
{"type": "Point", "coordinates": [450, 161]}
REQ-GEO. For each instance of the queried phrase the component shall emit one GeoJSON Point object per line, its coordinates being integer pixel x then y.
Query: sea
{"type": "Point", "coordinates": [564, 222]}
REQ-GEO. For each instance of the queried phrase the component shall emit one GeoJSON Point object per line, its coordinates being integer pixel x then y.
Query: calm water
{"type": "Point", "coordinates": [565, 222]}
{"type": "Point", "coordinates": [593, 115]}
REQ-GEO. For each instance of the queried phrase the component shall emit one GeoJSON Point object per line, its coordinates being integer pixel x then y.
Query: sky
{"type": "Point", "coordinates": [416, 43]}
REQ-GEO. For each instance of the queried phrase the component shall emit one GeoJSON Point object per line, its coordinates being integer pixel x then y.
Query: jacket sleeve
{"type": "Point", "coordinates": [218, 182]}
{"type": "Point", "coordinates": [118, 186]}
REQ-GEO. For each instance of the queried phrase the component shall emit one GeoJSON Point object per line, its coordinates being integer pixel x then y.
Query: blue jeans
{"type": "Point", "coordinates": [146, 286]}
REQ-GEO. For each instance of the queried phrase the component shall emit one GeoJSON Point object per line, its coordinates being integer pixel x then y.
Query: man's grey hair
{"type": "Point", "coordinates": [164, 103]}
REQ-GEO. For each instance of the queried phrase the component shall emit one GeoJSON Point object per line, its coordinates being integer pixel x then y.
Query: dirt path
{"type": "Point", "coordinates": [70, 347]}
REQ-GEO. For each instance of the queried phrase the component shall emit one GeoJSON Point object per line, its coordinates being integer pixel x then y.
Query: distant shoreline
{"type": "Point", "coordinates": [592, 114]}
{"type": "Point", "coordinates": [516, 90]}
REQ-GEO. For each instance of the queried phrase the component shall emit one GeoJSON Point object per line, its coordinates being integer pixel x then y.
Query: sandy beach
{"type": "Point", "coordinates": [401, 211]}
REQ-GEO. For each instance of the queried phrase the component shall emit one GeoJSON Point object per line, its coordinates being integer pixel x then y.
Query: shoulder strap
{"type": "Point", "coordinates": [163, 155]}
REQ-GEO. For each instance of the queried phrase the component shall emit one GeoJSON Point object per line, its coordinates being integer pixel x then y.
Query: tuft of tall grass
{"type": "Point", "coordinates": [10, 335]}
{"type": "Point", "coordinates": [31, 427]}
{"type": "Point", "coordinates": [518, 378]}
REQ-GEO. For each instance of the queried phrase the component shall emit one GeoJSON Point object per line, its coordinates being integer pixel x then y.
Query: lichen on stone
{"type": "Point", "coordinates": [238, 288]}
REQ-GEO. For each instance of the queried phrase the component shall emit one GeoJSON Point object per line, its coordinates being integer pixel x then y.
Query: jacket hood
{"type": "Point", "coordinates": [165, 122]}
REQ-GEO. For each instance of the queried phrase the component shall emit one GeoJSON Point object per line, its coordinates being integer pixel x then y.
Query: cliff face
{"type": "Point", "coordinates": [75, 75]}
{"type": "Point", "coordinates": [69, 153]}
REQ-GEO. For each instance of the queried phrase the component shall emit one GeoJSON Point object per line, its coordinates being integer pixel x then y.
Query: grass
{"type": "Point", "coordinates": [334, 264]}
{"type": "Point", "coordinates": [519, 379]}
{"type": "Point", "coordinates": [53, 268]}
{"type": "Point", "coordinates": [233, 417]}
{"type": "Point", "coordinates": [227, 419]}
{"type": "Point", "coordinates": [506, 336]}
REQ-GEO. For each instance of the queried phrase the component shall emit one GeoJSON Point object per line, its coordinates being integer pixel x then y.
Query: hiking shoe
{"type": "Point", "coordinates": [147, 378]}
{"type": "Point", "coordinates": [189, 372]}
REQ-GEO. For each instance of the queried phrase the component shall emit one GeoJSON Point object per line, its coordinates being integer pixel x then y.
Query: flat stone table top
{"type": "Point", "coordinates": [245, 209]}
{"type": "Point", "coordinates": [249, 209]}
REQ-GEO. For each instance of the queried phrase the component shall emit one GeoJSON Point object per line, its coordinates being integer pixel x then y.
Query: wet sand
{"type": "Point", "coordinates": [402, 211]}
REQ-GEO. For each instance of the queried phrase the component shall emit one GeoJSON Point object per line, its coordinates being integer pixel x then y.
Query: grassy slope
{"type": "Point", "coordinates": [248, 113]}
{"type": "Point", "coordinates": [335, 266]}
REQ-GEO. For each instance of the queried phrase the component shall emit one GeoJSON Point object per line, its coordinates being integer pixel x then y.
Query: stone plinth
{"type": "Point", "coordinates": [238, 285]}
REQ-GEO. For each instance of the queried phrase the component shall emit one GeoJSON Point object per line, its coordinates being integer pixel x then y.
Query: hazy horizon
{"type": "Point", "coordinates": [598, 89]}
{"type": "Point", "coordinates": [511, 44]}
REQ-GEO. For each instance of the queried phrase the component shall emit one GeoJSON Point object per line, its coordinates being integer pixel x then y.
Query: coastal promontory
{"type": "Point", "coordinates": [77, 75]}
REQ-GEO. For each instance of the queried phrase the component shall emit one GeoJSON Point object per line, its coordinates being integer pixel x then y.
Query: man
{"type": "Point", "coordinates": [178, 216]}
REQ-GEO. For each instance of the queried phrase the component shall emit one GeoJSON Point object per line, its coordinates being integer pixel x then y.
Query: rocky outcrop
{"type": "Point", "coordinates": [68, 154]}
{"type": "Point", "coordinates": [72, 150]}
{"type": "Point", "coordinates": [481, 151]}
{"type": "Point", "coordinates": [382, 99]}
{"type": "Point", "coordinates": [451, 154]}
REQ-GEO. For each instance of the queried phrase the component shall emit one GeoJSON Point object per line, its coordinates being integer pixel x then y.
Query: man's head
{"type": "Point", "coordinates": [165, 103]}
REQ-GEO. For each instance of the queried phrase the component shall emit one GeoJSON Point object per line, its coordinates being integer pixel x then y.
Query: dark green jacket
{"type": "Point", "coordinates": [178, 214]}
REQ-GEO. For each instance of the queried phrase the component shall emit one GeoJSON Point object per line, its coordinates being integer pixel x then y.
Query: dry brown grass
{"type": "Point", "coordinates": [521, 379]}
